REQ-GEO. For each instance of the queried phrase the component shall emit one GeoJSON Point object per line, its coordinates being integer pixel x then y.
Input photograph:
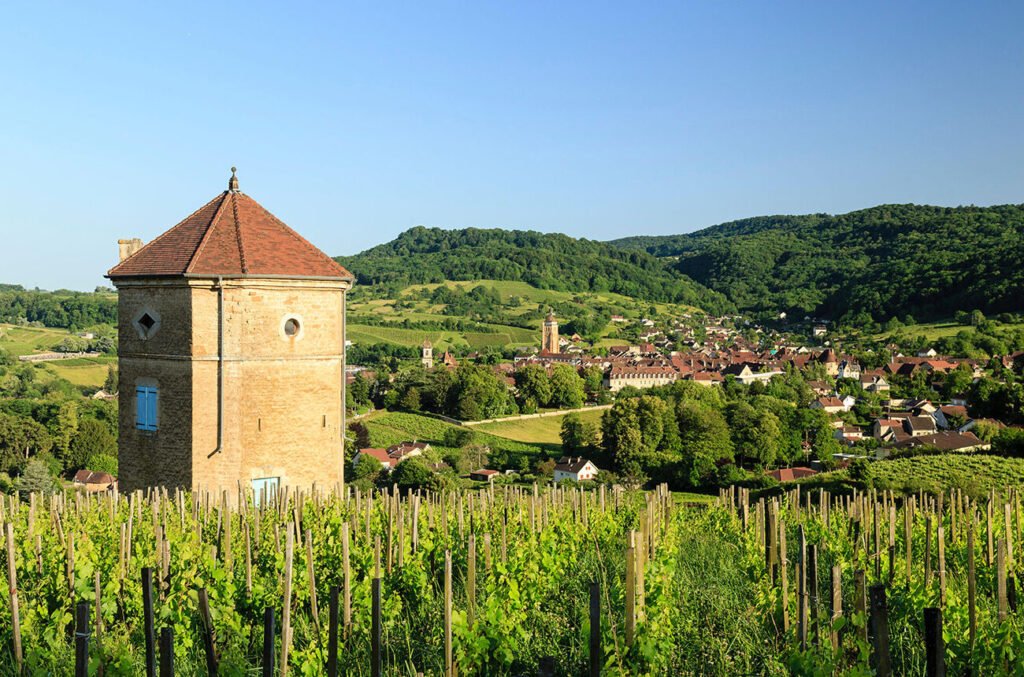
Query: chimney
{"type": "Point", "coordinates": [128, 247]}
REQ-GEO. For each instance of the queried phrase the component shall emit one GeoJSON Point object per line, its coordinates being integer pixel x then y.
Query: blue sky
{"type": "Point", "coordinates": [355, 121]}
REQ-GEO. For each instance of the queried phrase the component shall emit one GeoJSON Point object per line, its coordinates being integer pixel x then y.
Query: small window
{"type": "Point", "coordinates": [291, 327]}
{"type": "Point", "coordinates": [146, 408]}
{"type": "Point", "coordinates": [146, 323]}
{"type": "Point", "coordinates": [264, 488]}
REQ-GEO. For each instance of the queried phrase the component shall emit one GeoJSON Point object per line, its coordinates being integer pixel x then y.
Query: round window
{"type": "Point", "coordinates": [291, 327]}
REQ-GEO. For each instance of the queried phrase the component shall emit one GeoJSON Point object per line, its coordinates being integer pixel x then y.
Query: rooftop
{"type": "Point", "coordinates": [231, 235]}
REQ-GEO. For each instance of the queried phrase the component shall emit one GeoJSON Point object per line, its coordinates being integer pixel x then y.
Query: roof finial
{"type": "Point", "coordinates": [233, 182]}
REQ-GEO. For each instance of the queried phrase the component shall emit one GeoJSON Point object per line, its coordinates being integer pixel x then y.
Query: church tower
{"type": "Point", "coordinates": [427, 358]}
{"type": "Point", "coordinates": [231, 354]}
{"type": "Point", "coordinates": [549, 335]}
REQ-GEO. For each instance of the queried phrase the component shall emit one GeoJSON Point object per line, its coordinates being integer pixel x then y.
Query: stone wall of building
{"type": "Point", "coordinates": [164, 456]}
{"type": "Point", "coordinates": [282, 393]}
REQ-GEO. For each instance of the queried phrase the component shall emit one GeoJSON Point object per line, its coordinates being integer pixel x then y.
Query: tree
{"type": "Point", "coordinates": [92, 438]}
{"type": "Point", "coordinates": [477, 393]}
{"type": "Point", "coordinates": [566, 387]}
{"type": "Point", "coordinates": [361, 434]}
{"type": "Point", "coordinates": [412, 473]}
{"type": "Point", "coordinates": [367, 467]}
{"type": "Point", "coordinates": [593, 382]}
{"type": "Point", "coordinates": [103, 463]}
{"type": "Point", "coordinates": [410, 400]}
{"type": "Point", "coordinates": [532, 383]}
{"type": "Point", "coordinates": [64, 427]}
{"type": "Point", "coordinates": [110, 385]}
{"type": "Point", "coordinates": [705, 439]}
{"type": "Point", "coordinates": [36, 478]}
{"type": "Point", "coordinates": [756, 434]}
{"type": "Point", "coordinates": [457, 437]}
{"type": "Point", "coordinates": [577, 434]}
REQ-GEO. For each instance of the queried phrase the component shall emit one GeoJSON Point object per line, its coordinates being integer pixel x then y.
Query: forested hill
{"type": "Point", "coordinates": [547, 261]}
{"type": "Point", "coordinates": [886, 261]}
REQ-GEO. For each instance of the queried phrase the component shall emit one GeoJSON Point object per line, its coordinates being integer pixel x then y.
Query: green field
{"type": "Point", "coordinates": [394, 427]}
{"type": "Point", "coordinates": [83, 371]}
{"type": "Point", "coordinates": [545, 430]}
{"type": "Point", "coordinates": [933, 331]}
{"type": "Point", "coordinates": [532, 300]}
{"type": "Point", "coordinates": [973, 473]}
{"type": "Point", "coordinates": [27, 340]}
{"type": "Point", "coordinates": [368, 334]}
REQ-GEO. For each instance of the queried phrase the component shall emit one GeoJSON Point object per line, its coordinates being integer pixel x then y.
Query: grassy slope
{"type": "Point", "coordinates": [90, 372]}
{"type": "Point", "coordinates": [975, 474]}
{"type": "Point", "coordinates": [935, 330]}
{"type": "Point", "coordinates": [545, 430]}
{"type": "Point", "coordinates": [506, 335]}
{"type": "Point", "coordinates": [84, 371]}
{"type": "Point", "coordinates": [393, 427]}
{"type": "Point", "coordinates": [26, 340]}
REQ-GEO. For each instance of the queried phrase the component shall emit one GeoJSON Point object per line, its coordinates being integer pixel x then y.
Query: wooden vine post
{"type": "Point", "coordinates": [12, 588]}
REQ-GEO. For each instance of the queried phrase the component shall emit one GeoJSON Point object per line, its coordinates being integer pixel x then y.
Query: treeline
{"type": "Point", "coordinates": [546, 261]}
{"type": "Point", "coordinates": [61, 309]}
{"type": "Point", "coordinates": [47, 428]}
{"type": "Point", "coordinates": [869, 265]}
{"type": "Point", "coordinates": [694, 436]}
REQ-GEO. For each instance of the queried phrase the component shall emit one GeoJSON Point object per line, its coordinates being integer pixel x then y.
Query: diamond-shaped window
{"type": "Point", "coordinates": [147, 323]}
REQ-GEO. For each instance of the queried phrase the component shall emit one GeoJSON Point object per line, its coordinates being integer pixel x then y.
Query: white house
{"type": "Point", "coordinates": [575, 468]}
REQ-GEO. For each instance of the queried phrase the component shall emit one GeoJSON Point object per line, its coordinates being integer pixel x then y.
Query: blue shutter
{"type": "Point", "coordinates": [145, 408]}
{"type": "Point", "coordinates": [140, 408]}
{"type": "Point", "coordinates": [151, 409]}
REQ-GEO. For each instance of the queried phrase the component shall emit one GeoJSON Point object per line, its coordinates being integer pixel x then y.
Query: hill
{"type": "Point", "coordinates": [544, 261]}
{"type": "Point", "coordinates": [883, 262]}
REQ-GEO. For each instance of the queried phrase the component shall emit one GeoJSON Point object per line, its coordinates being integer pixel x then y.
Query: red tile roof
{"type": "Point", "coordinates": [230, 235]}
{"type": "Point", "coordinates": [790, 474]}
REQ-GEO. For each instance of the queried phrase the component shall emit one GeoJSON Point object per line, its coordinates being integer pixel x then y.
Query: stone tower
{"type": "Point", "coordinates": [427, 358]}
{"type": "Point", "coordinates": [231, 354]}
{"type": "Point", "coordinates": [549, 335]}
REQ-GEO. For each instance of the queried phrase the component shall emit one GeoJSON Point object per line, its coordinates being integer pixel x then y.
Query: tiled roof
{"type": "Point", "coordinates": [230, 235]}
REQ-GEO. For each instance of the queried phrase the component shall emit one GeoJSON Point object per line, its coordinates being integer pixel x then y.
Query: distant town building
{"type": "Point", "coordinates": [549, 335]}
{"type": "Point", "coordinates": [575, 468]}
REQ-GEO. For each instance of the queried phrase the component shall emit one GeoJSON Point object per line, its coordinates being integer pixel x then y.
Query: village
{"type": "Point", "coordinates": [869, 417]}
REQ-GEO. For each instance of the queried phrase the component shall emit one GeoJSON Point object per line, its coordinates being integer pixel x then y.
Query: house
{"type": "Point", "coordinates": [928, 353]}
{"type": "Point", "coordinates": [575, 468]}
{"type": "Point", "coordinates": [618, 377]}
{"type": "Point", "coordinates": [947, 440]}
{"type": "Point", "coordinates": [919, 426]}
{"type": "Point", "coordinates": [831, 405]}
{"type": "Point", "coordinates": [393, 455]}
{"type": "Point", "coordinates": [745, 375]}
{"type": "Point", "coordinates": [849, 434]}
{"type": "Point", "coordinates": [404, 450]}
{"type": "Point", "coordinates": [618, 318]}
{"type": "Point", "coordinates": [874, 383]}
{"type": "Point", "coordinates": [849, 369]}
{"type": "Point", "coordinates": [93, 482]}
{"type": "Point", "coordinates": [790, 474]}
{"type": "Point", "coordinates": [848, 402]}
{"type": "Point", "coordinates": [381, 455]}
{"type": "Point", "coordinates": [819, 330]}
{"type": "Point", "coordinates": [482, 475]}
{"type": "Point", "coordinates": [820, 387]}
{"type": "Point", "coordinates": [828, 359]}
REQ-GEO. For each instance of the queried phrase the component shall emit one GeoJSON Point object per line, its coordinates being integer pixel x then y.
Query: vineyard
{"type": "Point", "coordinates": [511, 581]}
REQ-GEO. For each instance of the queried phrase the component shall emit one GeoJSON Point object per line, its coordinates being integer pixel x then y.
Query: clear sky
{"type": "Point", "coordinates": [355, 121]}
